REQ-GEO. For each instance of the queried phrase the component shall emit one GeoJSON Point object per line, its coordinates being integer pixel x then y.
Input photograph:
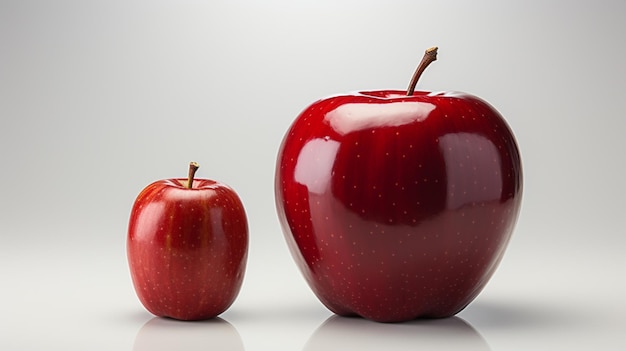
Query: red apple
{"type": "Point", "coordinates": [187, 247]}
{"type": "Point", "coordinates": [398, 205]}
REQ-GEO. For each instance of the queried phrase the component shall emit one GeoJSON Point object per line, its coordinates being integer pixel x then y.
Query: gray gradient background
{"type": "Point", "coordinates": [99, 98]}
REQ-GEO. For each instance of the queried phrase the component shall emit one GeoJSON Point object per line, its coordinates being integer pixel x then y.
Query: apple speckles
{"type": "Point", "coordinates": [399, 209]}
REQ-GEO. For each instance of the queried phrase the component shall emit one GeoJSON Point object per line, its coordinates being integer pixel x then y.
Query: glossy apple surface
{"type": "Point", "coordinates": [187, 248]}
{"type": "Point", "coordinates": [397, 207]}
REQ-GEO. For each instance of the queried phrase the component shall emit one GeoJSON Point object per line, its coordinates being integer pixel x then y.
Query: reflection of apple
{"type": "Point", "coordinates": [338, 333]}
{"type": "Point", "coordinates": [187, 247]}
{"type": "Point", "coordinates": [168, 335]}
{"type": "Point", "coordinates": [398, 204]}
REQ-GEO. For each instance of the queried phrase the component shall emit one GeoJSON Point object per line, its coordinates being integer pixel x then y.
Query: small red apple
{"type": "Point", "coordinates": [187, 247]}
{"type": "Point", "coordinates": [398, 204]}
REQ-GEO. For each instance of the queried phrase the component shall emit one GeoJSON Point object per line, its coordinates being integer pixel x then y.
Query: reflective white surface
{"type": "Point", "coordinates": [100, 98]}
{"type": "Point", "coordinates": [80, 297]}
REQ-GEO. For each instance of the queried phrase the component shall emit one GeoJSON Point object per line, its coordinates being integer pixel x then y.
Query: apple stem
{"type": "Point", "coordinates": [429, 56]}
{"type": "Point", "coordinates": [193, 167]}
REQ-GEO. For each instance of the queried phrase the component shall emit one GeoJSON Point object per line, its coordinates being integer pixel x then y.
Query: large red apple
{"type": "Point", "coordinates": [398, 204]}
{"type": "Point", "coordinates": [187, 247]}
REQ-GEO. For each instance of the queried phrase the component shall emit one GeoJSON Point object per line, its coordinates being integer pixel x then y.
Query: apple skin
{"type": "Point", "coordinates": [187, 248]}
{"type": "Point", "coordinates": [398, 207]}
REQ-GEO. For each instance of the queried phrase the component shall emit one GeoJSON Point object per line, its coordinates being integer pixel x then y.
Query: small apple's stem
{"type": "Point", "coordinates": [193, 167]}
{"type": "Point", "coordinates": [429, 56]}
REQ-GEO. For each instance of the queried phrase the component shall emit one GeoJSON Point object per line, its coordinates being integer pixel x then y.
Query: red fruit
{"type": "Point", "coordinates": [187, 247]}
{"type": "Point", "coordinates": [397, 206]}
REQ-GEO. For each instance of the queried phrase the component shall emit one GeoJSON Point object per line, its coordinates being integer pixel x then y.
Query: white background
{"type": "Point", "coordinates": [100, 98]}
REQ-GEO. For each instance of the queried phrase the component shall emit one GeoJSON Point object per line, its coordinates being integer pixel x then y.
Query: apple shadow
{"type": "Point", "coordinates": [490, 314]}
{"type": "Point", "coordinates": [169, 334]}
{"type": "Point", "coordinates": [354, 333]}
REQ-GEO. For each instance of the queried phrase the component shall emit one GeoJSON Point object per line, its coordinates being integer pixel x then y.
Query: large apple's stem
{"type": "Point", "coordinates": [429, 56]}
{"type": "Point", "coordinates": [193, 167]}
